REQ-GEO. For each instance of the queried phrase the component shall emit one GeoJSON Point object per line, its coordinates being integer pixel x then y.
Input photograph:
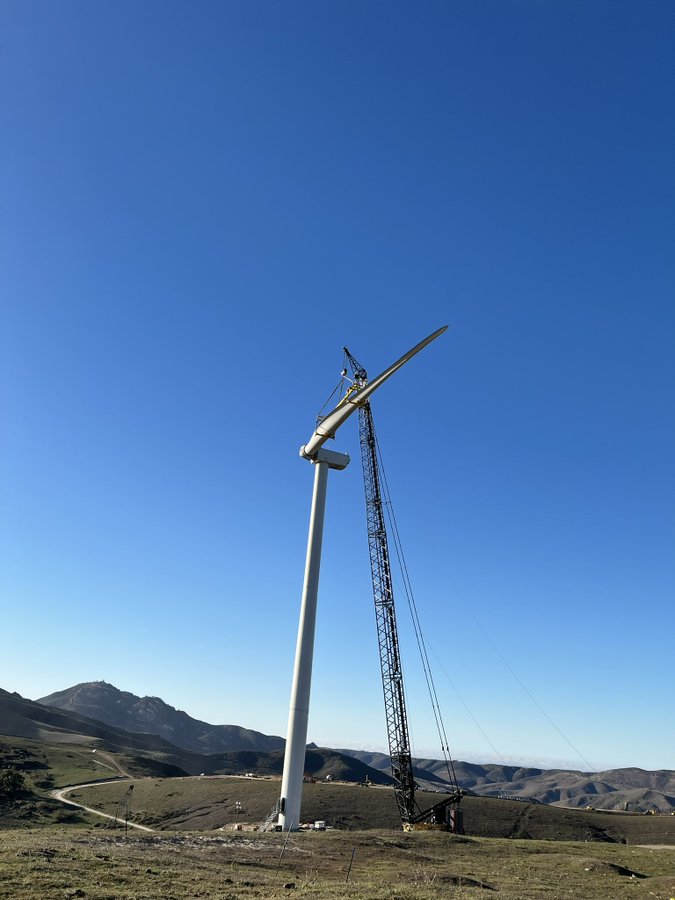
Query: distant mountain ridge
{"type": "Point", "coordinates": [150, 754]}
{"type": "Point", "coordinates": [629, 789]}
{"type": "Point", "coordinates": [24, 718]}
{"type": "Point", "coordinates": [617, 789]}
{"type": "Point", "coordinates": [151, 715]}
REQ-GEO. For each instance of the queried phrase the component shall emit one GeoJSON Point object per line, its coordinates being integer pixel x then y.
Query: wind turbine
{"type": "Point", "coordinates": [290, 801]}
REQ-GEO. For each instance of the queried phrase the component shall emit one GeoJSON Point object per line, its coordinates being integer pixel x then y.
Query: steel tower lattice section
{"type": "Point", "coordinates": [385, 616]}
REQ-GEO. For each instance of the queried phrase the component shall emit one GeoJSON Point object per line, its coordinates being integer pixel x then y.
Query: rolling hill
{"type": "Point", "coordinates": [53, 748]}
{"type": "Point", "coordinates": [106, 703]}
{"type": "Point", "coordinates": [629, 789]}
{"type": "Point", "coordinates": [149, 754]}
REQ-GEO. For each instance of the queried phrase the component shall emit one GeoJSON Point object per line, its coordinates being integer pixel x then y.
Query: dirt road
{"type": "Point", "coordinates": [61, 793]}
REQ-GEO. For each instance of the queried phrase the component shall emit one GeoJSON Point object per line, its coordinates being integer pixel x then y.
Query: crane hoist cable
{"type": "Point", "coordinates": [417, 626]}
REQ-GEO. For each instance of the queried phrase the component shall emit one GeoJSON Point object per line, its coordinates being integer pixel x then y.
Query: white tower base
{"type": "Point", "coordinates": [298, 715]}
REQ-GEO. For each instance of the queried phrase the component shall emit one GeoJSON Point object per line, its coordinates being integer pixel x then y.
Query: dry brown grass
{"type": "Point", "coordinates": [100, 864]}
{"type": "Point", "coordinates": [209, 803]}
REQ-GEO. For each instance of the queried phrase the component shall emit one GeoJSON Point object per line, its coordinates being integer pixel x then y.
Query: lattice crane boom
{"type": "Point", "coordinates": [385, 616]}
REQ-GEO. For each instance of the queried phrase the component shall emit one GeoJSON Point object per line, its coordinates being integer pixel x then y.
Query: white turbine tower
{"type": "Point", "coordinates": [323, 460]}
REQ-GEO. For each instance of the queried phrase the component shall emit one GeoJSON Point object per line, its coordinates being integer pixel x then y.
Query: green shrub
{"type": "Point", "coordinates": [11, 783]}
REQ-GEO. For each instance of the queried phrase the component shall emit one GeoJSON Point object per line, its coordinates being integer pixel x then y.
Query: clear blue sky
{"type": "Point", "coordinates": [200, 205]}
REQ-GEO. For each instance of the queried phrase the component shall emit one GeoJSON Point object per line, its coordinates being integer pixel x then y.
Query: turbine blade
{"type": "Point", "coordinates": [330, 424]}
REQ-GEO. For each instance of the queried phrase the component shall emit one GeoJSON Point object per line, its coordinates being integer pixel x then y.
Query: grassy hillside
{"type": "Point", "coordinates": [99, 864]}
{"type": "Point", "coordinates": [619, 789]}
{"type": "Point", "coordinates": [49, 766]}
{"type": "Point", "coordinates": [211, 803]}
{"type": "Point", "coordinates": [43, 767]}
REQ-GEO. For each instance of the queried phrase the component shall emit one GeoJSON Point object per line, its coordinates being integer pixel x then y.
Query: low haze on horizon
{"type": "Point", "coordinates": [201, 206]}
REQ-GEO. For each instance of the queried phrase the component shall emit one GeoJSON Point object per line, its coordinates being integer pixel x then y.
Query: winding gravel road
{"type": "Point", "coordinates": [60, 794]}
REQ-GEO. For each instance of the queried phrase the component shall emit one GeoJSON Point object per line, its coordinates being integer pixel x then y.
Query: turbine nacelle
{"type": "Point", "coordinates": [333, 459]}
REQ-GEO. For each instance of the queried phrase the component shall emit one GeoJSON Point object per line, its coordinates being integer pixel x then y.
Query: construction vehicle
{"type": "Point", "coordinates": [445, 814]}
